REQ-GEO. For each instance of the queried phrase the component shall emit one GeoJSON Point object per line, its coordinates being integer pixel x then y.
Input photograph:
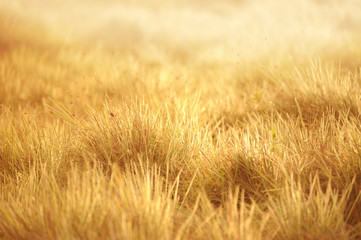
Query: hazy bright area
{"type": "Point", "coordinates": [187, 119]}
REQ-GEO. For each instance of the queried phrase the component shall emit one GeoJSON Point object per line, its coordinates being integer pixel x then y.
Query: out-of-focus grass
{"type": "Point", "coordinates": [180, 120]}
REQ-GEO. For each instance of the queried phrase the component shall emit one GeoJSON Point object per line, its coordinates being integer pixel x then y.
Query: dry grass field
{"type": "Point", "coordinates": [180, 119]}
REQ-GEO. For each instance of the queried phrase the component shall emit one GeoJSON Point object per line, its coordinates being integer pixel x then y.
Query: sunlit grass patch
{"type": "Point", "coordinates": [187, 120]}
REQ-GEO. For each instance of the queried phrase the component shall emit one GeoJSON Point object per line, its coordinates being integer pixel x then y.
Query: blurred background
{"type": "Point", "coordinates": [224, 30]}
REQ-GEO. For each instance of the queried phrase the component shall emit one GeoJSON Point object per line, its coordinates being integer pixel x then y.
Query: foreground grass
{"type": "Point", "coordinates": [104, 144]}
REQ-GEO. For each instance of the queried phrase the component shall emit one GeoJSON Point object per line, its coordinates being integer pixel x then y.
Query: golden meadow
{"type": "Point", "coordinates": [180, 119]}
